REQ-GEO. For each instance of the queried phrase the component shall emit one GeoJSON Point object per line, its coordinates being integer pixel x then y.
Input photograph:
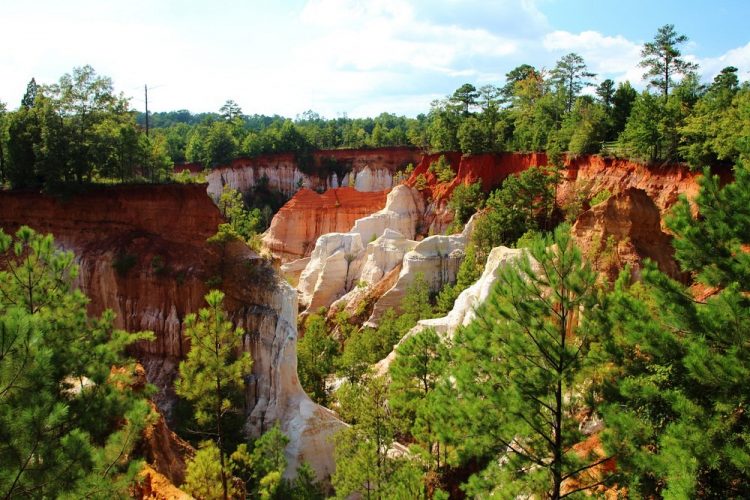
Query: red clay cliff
{"type": "Point", "coordinates": [297, 226]}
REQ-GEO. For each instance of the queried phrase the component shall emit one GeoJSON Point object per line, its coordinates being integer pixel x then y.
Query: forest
{"type": "Point", "coordinates": [656, 365]}
{"type": "Point", "coordinates": [79, 130]}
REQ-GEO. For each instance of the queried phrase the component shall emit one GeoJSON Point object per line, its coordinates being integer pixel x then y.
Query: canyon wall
{"type": "Point", "coordinates": [662, 183]}
{"type": "Point", "coordinates": [584, 173]}
{"type": "Point", "coordinates": [624, 230]}
{"type": "Point", "coordinates": [142, 252]}
{"type": "Point", "coordinates": [297, 225]}
{"type": "Point", "coordinates": [363, 169]}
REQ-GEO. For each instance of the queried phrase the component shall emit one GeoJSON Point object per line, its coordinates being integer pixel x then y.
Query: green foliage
{"type": "Point", "coordinates": [589, 126]}
{"type": "Point", "coordinates": [268, 463]}
{"type": "Point", "coordinates": [421, 182]}
{"type": "Point", "coordinates": [212, 375]}
{"type": "Point", "coordinates": [570, 74]}
{"type": "Point", "coordinates": [245, 223]}
{"type": "Point", "coordinates": [203, 476]}
{"type": "Point", "coordinates": [525, 201]}
{"type": "Point", "coordinates": [68, 422]}
{"type": "Point", "coordinates": [475, 136]}
{"type": "Point", "coordinates": [366, 346]}
{"type": "Point", "coordinates": [78, 130]}
{"type": "Point", "coordinates": [465, 200]}
{"type": "Point", "coordinates": [676, 388]}
{"type": "Point", "coordinates": [712, 245]}
{"type": "Point", "coordinates": [518, 372]}
{"type": "Point", "coordinates": [642, 138]}
{"type": "Point", "coordinates": [718, 126]}
{"type": "Point", "coordinates": [662, 61]}
{"type": "Point", "coordinates": [415, 372]}
{"type": "Point", "coordinates": [600, 197]}
{"type": "Point", "coordinates": [316, 352]}
{"type": "Point", "coordinates": [369, 345]}
{"type": "Point", "coordinates": [363, 464]}
{"type": "Point", "coordinates": [442, 169]}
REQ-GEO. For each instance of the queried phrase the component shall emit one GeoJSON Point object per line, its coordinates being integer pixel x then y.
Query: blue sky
{"type": "Point", "coordinates": [359, 57]}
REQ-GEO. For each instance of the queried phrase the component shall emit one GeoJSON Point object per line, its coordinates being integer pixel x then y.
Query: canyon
{"type": "Point", "coordinates": [356, 246]}
{"type": "Point", "coordinates": [142, 252]}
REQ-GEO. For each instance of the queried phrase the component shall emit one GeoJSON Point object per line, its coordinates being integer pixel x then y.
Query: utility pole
{"type": "Point", "coordinates": [145, 89]}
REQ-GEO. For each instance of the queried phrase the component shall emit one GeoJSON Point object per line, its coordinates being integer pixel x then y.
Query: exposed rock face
{"type": "Point", "coordinates": [464, 309]}
{"type": "Point", "coordinates": [436, 258]}
{"type": "Point", "coordinates": [624, 230]}
{"type": "Point", "coordinates": [402, 212]}
{"type": "Point", "coordinates": [337, 261]}
{"type": "Point", "coordinates": [372, 170]}
{"type": "Point", "coordinates": [156, 238]}
{"type": "Point", "coordinates": [333, 268]}
{"type": "Point", "coordinates": [490, 168]}
{"type": "Point", "coordinates": [359, 302]}
{"type": "Point", "coordinates": [384, 254]}
{"type": "Point", "coordinates": [297, 226]}
{"type": "Point", "coordinates": [152, 485]}
{"type": "Point", "coordinates": [663, 184]}
{"type": "Point", "coordinates": [166, 451]}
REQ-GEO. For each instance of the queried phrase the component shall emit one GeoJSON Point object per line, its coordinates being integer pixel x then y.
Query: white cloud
{"type": "Point", "coordinates": [359, 57]}
{"type": "Point", "coordinates": [738, 57]}
{"type": "Point", "coordinates": [609, 56]}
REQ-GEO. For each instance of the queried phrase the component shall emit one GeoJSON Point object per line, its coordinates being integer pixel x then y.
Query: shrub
{"type": "Point", "coordinates": [442, 169]}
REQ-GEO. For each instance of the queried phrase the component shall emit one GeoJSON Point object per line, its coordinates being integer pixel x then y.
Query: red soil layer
{"type": "Point", "coordinates": [663, 183]}
{"type": "Point", "coordinates": [305, 217]}
{"type": "Point", "coordinates": [491, 168]}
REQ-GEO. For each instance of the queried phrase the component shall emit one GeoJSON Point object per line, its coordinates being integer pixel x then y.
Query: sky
{"type": "Point", "coordinates": [344, 57]}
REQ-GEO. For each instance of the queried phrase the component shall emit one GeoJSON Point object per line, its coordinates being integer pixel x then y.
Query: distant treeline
{"type": "Point", "coordinates": [78, 130]}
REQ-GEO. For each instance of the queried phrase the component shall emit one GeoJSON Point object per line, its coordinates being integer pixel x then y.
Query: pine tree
{"type": "Point", "coordinates": [212, 375]}
{"type": "Point", "coordinates": [661, 58]}
{"type": "Point", "coordinates": [519, 373]}
{"type": "Point", "coordinates": [415, 373]}
{"type": "Point", "coordinates": [363, 462]}
{"type": "Point", "coordinates": [316, 352]}
{"type": "Point", "coordinates": [676, 394]}
{"type": "Point", "coordinates": [68, 420]}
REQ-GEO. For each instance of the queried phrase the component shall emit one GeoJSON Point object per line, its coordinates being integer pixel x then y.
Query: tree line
{"type": "Point", "coordinates": [79, 130]}
{"type": "Point", "coordinates": [559, 110]}
{"type": "Point", "coordinates": [74, 131]}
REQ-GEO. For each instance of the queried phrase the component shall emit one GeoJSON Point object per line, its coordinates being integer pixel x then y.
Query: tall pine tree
{"type": "Point", "coordinates": [676, 397]}
{"type": "Point", "coordinates": [68, 420]}
{"type": "Point", "coordinates": [519, 372]}
{"type": "Point", "coordinates": [212, 375]}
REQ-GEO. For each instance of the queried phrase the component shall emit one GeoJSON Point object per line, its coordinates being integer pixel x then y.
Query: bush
{"type": "Point", "coordinates": [421, 182]}
{"type": "Point", "coordinates": [465, 200]}
{"type": "Point", "coordinates": [442, 169]}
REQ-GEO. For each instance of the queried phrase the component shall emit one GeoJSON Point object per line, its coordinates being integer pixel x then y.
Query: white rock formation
{"type": "Point", "coordinates": [278, 394]}
{"type": "Point", "coordinates": [402, 212]}
{"type": "Point", "coordinates": [333, 269]}
{"type": "Point", "coordinates": [292, 270]}
{"type": "Point", "coordinates": [464, 309]}
{"type": "Point", "coordinates": [383, 254]}
{"type": "Point", "coordinates": [340, 260]}
{"type": "Point", "coordinates": [369, 179]}
{"type": "Point", "coordinates": [437, 258]}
